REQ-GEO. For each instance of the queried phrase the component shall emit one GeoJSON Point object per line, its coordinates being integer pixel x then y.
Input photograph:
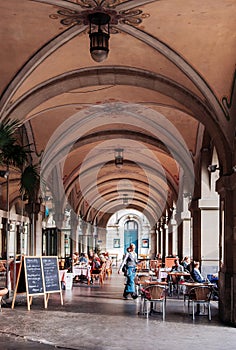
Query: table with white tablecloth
{"type": "Point", "coordinates": [77, 271]}
{"type": "Point", "coordinates": [82, 271]}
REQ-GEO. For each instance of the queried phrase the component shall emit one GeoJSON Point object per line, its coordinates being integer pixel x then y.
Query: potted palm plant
{"type": "Point", "coordinates": [14, 156]}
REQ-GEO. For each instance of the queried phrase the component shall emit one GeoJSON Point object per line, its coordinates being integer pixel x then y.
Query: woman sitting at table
{"type": "Point", "coordinates": [96, 265]}
{"type": "Point", "coordinates": [186, 263]}
{"type": "Point", "coordinates": [75, 258]}
{"type": "Point", "coordinates": [196, 274]}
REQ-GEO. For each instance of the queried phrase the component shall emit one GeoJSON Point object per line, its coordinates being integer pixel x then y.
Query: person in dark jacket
{"type": "Point", "coordinates": [196, 274]}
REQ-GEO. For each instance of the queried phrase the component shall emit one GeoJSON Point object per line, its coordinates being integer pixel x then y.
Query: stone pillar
{"type": "Point", "coordinates": [166, 234]}
{"type": "Point", "coordinates": [209, 235]}
{"type": "Point", "coordinates": [226, 187]}
{"type": "Point", "coordinates": [153, 249]}
{"type": "Point", "coordinates": [59, 221]}
{"type": "Point", "coordinates": [174, 234]}
{"type": "Point", "coordinates": [186, 224]}
{"type": "Point", "coordinates": [84, 244]}
{"type": "Point", "coordinates": [74, 221]}
{"type": "Point", "coordinates": [38, 234]}
{"type": "Point", "coordinates": [159, 239]}
{"type": "Point", "coordinates": [101, 240]}
{"type": "Point", "coordinates": [33, 209]}
{"type": "Point", "coordinates": [61, 248]}
{"type": "Point", "coordinates": [160, 234]}
{"type": "Point", "coordinates": [163, 240]}
{"type": "Point", "coordinates": [196, 231]}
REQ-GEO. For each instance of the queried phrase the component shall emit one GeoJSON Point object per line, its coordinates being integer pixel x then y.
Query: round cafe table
{"type": "Point", "coordinates": [178, 274]}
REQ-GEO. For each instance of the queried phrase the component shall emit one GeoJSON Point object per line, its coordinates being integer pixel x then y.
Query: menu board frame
{"type": "Point", "coordinates": [34, 278]}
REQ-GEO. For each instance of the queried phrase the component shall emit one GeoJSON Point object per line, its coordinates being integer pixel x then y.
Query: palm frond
{"type": "Point", "coordinates": [7, 130]}
{"type": "Point", "coordinates": [30, 182]}
{"type": "Point", "coordinates": [14, 155]}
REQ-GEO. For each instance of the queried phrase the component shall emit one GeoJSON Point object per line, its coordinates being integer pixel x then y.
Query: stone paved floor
{"type": "Point", "coordinates": [98, 318]}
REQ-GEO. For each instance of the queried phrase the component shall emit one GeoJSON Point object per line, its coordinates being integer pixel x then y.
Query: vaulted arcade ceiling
{"type": "Point", "coordinates": [166, 83]}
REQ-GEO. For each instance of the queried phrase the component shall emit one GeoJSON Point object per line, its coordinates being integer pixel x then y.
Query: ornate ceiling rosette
{"type": "Point", "coordinates": [69, 17]}
{"type": "Point", "coordinates": [95, 3]}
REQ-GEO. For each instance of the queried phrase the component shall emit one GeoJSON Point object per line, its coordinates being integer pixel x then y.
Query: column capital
{"type": "Point", "coordinates": [208, 203]}
{"type": "Point", "coordinates": [226, 183]}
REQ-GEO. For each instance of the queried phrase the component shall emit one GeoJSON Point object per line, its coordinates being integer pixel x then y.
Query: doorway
{"type": "Point", "coordinates": [130, 234]}
{"type": "Point", "coordinates": [50, 241]}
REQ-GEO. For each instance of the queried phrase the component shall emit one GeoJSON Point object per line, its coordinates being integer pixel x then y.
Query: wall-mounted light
{"type": "Point", "coordinates": [99, 35]}
{"type": "Point", "coordinates": [187, 195]}
{"type": "Point", "coordinates": [119, 157]}
{"type": "Point", "coordinates": [212, 168]}
{"type": "Point", "coordinates": [4, 173]}
{"type": "Point", "coordinates": [234, 168]}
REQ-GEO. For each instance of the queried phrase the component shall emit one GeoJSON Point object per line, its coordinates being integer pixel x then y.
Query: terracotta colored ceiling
{"type": "Point", "coordinates": [171, 64]}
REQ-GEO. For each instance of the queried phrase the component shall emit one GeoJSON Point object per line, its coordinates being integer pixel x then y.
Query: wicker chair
{"type": "Point", "coordinates": [108, 268]}
{"type": "Point", "coordinates": [200, 295]}
{"type": "Point", "coordinates": [99, 275]}
{"type": "Point", "coordinates": [154, 295]}
{"type": "Point", "coordinates": [154, 266]}
{"type": "Point", "coordinates": [141, 282]}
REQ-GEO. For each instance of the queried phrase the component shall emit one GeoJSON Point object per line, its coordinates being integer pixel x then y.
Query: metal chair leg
{"type": "Point", "coordinates": [209, 311]}
{"type": "Point", "coordinates": [193, 311]}
{"type": "Point", "coordinates": [163, 310]}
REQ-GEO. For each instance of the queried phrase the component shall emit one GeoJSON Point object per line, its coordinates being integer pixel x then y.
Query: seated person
{"type": "Point", "coordinates": [102, 258]}
{"type": "Point", "coordinates": [95, 267]}
{"type": "Point", "coordinates": [177, 267]}
{"type": "Point", "coordinates": [214, 279]}
{"type": "Point", "coordinates": [196, 274]}
{"type": "Point", "coordinates": [186, 264]}
{"type": "Point", "coordinates": [75, 258]}
{"type": "Point", "coordinates": [83, 258]}
{"type": "Point", "coordinates": [175, 279]}
{"type": "Point", "coordinates": [96, 263]}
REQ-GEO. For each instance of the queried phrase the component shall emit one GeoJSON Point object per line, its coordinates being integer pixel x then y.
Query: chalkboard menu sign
{"type": "Point", "coordinates": [51, 274]}
{"type": "Point", "coordinates": [34, 276]}
{"type": "Point", "coordinates": [38, 276]}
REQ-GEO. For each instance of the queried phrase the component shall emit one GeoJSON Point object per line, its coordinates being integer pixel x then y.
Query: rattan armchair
{"type": "Point", "coordinates": [200, 296]}
{"type": "Point", "coordinates": [154, 295]}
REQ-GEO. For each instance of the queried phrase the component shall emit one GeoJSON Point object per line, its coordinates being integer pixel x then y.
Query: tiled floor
{"type": "Point", "coordinates": [98, 318]}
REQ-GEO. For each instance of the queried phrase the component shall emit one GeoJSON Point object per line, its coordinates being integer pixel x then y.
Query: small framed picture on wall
{"type": "Point", "coordinates": [145, 243]}
{"type": "Point", "coordinates": [116, 243]}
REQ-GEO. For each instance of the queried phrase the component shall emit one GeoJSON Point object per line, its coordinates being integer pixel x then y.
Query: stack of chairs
{"type": "Point", "coordinates": [108, 268]}
{"type": "Point", "coordinates": [99, 275]}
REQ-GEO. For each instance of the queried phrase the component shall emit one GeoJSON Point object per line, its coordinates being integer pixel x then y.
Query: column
{"type": "Point", "coordinates": [209, 235]}
{"type": "Point", "coordinates": [166, 234]}
{"type": "Point", "coordinates": [186, 224]}
{"type": "Point", "coordinates": [160, 250]}
{"type": "Point", "coordinates": [174, 230]}
{"type": "Point", "coordinates": [153, 250]}
{"type": "Point", "coordinates": [226, 187]}
{"type": "Point", "coordinates": [163, 240]}
{"type": "Point", "coordinates": [196, 229]}
{"type": "Point", "coordinates": [38, 234]}
{"type": "Point", "coordinates": [74, 221]}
